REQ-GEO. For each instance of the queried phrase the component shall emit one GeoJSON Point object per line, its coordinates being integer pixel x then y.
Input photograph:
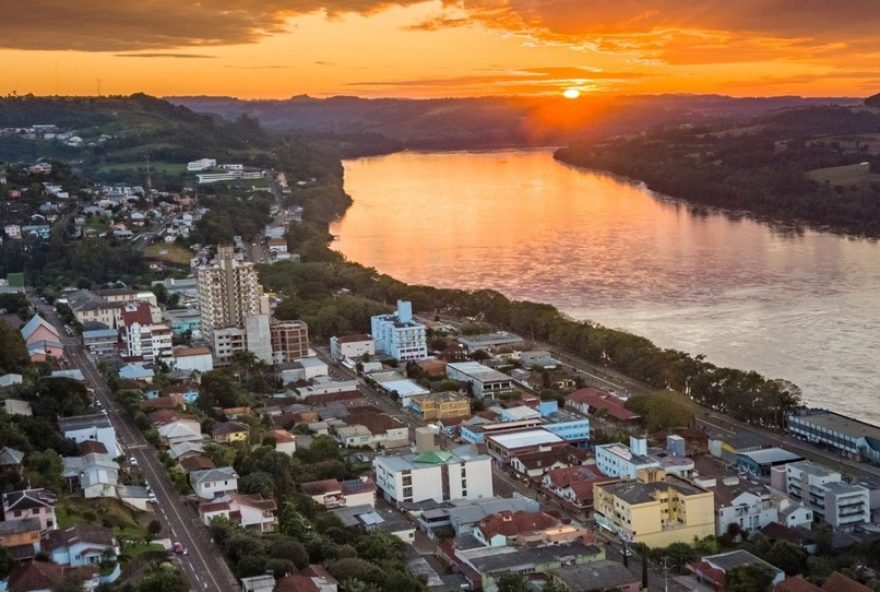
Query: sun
{"type": "Point", "coordinates": [571, 93]}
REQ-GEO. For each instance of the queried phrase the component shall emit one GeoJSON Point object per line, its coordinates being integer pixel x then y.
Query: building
{"type": "Point", "coordinates": [478, 428]}
{"type": "Point", "coordinates": [437, 406]}
{"type": "Point", "coordinates": [89, 307]}
{"type": "Point", "coordinates": [16, 407]}
{"type": "Point", "coordinates": [141, 337]}
{"type": "Point", "coordinates": [250, 511]}
{"type": "Point", "coordinates": [352, 347]}
{"type": "Point", "coordinates": [398, 335]}
{"type": "Point", "coordinates": [313, 578]}
{"type": "Point", "coordinates": [487, 341]}
{"type": "Point", "coordinates": [258, 337]}
{"type": "Point", "coordinates": [434, 475]}
{"type": "Point", "coordinates": [712, 568]}
{"type": "Point", "coordinates": [202, 164]}
{"type": "Point", "coordinates": [332, 493]}
{"type": "Point", "coordinates": [655, 509]}
{"type": "Point", "coordinates": [482, 380]}
{"type": "Point", "coordinates": [96, 474]}
{"type": "Point", "coordinates": [525, 529]}
{"type": "Point", "coordinates": [289, 339]}
{"type": "Point", "coordinates": [31, 503]}
{"type": "Point", "coordinates": [588, 401]}
{"type": "Point", "coordinates": [229, 292]}
{"type": "Point", "coordinates": [751, 510]}
{"type": "Point", "coordinates": [624, 462]}
{"type": "Point", "coordinates": [22, 537]}
{"type": "Point", "coordinates": [504, 447]}
{"type": "Point", "coordinates": [81, 545]}
{"type": "Point", "coordinates": [760, 462]}
{"type": "Point", "coordinates": [845, 435]}
{"type": "Point", "coordinates": [213, 483]}
{"type": "Point", "coordinates": [82, 428]}
{"type": "Point", "coordinates": [227, 432]}
{"type": "Point", "coordinates": [598, 576]}
{"type": "Point", "coordinates": [192, 359]}
{"type": "Point", "coordinates": [101, 342]}
{"type": "Point", "coordinates": [42, 339]}
{"type": "Point", "coordinates": [367, 427]}
{"type": "Point", "coordinates": [822, 490]}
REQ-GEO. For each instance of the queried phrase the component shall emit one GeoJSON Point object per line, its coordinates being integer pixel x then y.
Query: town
{"type": "Point", "coordinates": [197, 420]}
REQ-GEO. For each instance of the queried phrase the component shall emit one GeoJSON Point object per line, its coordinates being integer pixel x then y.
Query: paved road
{"type": "Point", "coordinates": [203, 565]}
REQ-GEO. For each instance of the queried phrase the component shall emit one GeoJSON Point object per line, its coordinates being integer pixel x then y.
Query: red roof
{"type": "Point", "coordinates": [796, 584]}
{"type": "Point", "coordinates": [512, 524]}
{"type": "Point", "coordinates": [837, 582]}
{"type": "Point", "coordinates": [140, 314]}
{"type": "Point", "coordinates": [602, 401]}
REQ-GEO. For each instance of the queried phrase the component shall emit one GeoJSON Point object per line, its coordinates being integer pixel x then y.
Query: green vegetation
{"type": "Point", "coordinates": [172, 253]}
{"type": "Point", "coordinates": [800, 165]}
{"type": "Point", "coordinates": [13, 351]}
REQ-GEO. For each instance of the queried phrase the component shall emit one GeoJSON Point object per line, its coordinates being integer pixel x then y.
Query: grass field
{"type": "Point", "coordinates": [169, 253]}
{"type": "Point", "coordinates": [107, 512]}
{"type": "Point", "coordinates": [853, 174]}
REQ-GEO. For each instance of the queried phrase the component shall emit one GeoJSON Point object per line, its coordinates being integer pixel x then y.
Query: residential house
{"type": "Point", "coordinates": [21, 537]}
{"type": "Point", "coordinates": [8, 380]}
{"type": "Point", "coordinates": [16, 407]}
{"type": "Point", "coordinates": [522, 528]}
{"type": "Point", "coordinates": [11, 459]}
{"type": "Point", "coordinates": [80, 428]}
{"type": "Point", "coordinates": [136, 372]}
{"type": "Point", "coordinates": [624, 462]}
{"type": "Point", "coordinates": [227, 432]}
{"type": "Point", "coordinates": [590, 401]}
{"type": "Point", "coordinates": [332, 493]}
{"type": "Point", "coordinates": [712, 568]}
{"type": "Point", "coordinates": [42, 340]}
{"type": "Point", "coordinates": [263, 583]}
{"type": "Point", "coordinates": [655, 509]}
{"type": "Point", "coordinates": [31, 503]}
{"type": "Point", "coordinates": [313, 578]}
{"type": "Point", "coordinates": [250, 511]}
{"type": "Point", "coordinates": [95, 474]}
{"type": "Point", "coordinates": [534, 464]}
{"type": "Point", "coordinates": [81, 545]}
{"type": "Point", "coordinates": [598, 576]}
{"type": "Point", "coordinates": [213, 483]}
{"type": "Point", "coordinates": [43, 576]}
{"type": "Point", "coordinates": [192, 359]}
{"type": "Point", "coordinates": [368, 427]}
{"type": "Point", "coordinates": [574, 485]}
{"type": "Point", "coordinates": [285, 442]}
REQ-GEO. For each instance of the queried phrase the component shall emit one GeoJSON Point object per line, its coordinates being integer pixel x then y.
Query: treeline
{"type": "Point", "coordinates": [761, 168]}
{"type": "Point", "coordinates": [342, 295]}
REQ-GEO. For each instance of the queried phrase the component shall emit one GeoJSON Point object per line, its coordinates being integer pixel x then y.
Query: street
{"type": "Point", "coordinates": [204, 567]}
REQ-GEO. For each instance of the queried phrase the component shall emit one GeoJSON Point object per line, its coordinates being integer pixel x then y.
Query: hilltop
{"type": "Point", "coordinates": [386, 124]}
{"type": "Point", "coordinates": [818, 165]}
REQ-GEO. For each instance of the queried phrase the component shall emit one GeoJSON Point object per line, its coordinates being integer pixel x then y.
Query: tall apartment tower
{"type": "Point", "coordinates": [229, 292]}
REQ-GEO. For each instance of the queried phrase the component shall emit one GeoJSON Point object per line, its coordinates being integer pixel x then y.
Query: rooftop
{"type": "Point", "coordinates": [478, 371]}
{"type": "Point", "coordinates": [82, 422]}
{"type": "Point", "coordinates": [595, 575]}
{"type": "Point", "coordinates": [771, 456]}
{"type": "Point", "coordinates": [536, 437]}
{"type": "Point", "coordinates": [839, 423]}
{"type": "Point", "coordinates": [638, 492]}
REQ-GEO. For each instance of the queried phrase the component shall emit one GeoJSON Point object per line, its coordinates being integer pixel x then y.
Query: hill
{"type": "Point", "coordinates": [385, 124]}
{"type": "Point", "coordinates": [815, 165]}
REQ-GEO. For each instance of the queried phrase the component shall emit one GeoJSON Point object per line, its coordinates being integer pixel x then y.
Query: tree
{"type": "Point", "coordinates": [44, 469]}
{"type": "Point", "coordinates": [13, 351]}
{"type": "Point", "coordinates": [163, 579]}
{"type": "Point", "coordinates": [512, 582]}
{"type": "Point", "coordinates": [7, 562]}
{"type": "Point", "coordinates": [789, 558]}
{"type": "Point", "coordinates": [154, 528]}
{"type": "Point", "coordinates": [749, 578]}
{"type": "Point", "coordinates": [679, 554]}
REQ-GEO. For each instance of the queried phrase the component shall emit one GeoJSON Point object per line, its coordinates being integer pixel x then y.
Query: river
{"type": "Point", "coordinates": [800, 305]}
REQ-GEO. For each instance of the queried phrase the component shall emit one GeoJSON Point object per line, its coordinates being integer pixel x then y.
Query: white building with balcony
{"type": "Point", "coordinates": [398, 335]}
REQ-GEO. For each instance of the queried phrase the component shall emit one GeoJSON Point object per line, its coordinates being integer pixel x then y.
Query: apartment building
{"type": "Point", "coordinates": [624, 462]}
{"type": "Point", "coordinates": [289, 339]}
{"type": "Point", "coordinates": [822, 490]}
{"type": "Point", "coordinates": [483, 381]}
{"type": "Point", "coordinates": [437, 406]}
{"type": "Point", "coordinates": [655, 509]}
{"type": "Point", "coordinates": [434, 475]}
{"type": "Point", "coordinates": [398, 335]}
{"type": "Point", "coordinates": [229, 292]}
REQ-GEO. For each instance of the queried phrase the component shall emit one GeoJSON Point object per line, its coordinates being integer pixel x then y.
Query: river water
{"type": "Point", "coordinates": [800, 305]}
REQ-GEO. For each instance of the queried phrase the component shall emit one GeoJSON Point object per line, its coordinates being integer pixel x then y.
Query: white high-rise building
{"type": "Point", "coordinates": [398, 335]}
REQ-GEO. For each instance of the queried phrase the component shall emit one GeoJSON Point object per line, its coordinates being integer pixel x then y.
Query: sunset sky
{"type": "Point", "coordinates": [280, 48]}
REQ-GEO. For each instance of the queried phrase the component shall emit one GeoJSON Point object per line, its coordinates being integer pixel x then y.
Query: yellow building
{"type": "Point", "coordinates": [437, 406]}
{"type": "Point", "coordinates": [655, 509]}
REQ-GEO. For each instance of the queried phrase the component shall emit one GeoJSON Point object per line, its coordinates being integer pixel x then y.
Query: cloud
{"type": "Point", "coordinates": [132, 25]}
{"type": "Point", "coordinates": [182, 56]}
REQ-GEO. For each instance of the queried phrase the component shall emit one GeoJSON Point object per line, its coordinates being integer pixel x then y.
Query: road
{"type": "Point", "coordinates": [203, 565]}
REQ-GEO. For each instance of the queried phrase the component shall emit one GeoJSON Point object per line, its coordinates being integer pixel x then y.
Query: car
{"type": "Point", "coordinates": [133, 461]}
{"type": "Point", "coordinates": [178, 548]}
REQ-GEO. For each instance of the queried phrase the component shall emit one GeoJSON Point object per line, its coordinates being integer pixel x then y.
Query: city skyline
{"type": "Point", "coordinates": [440, 48]}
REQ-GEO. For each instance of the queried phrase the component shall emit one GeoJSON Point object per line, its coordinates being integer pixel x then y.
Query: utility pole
{"type": "Point", "coordinates": [665, 576]}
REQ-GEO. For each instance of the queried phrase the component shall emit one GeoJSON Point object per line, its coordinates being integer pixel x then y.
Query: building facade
{"type": "Point", "coordinates": [229, 292]}
{"type": "Point", "coordinates": [434, 475]}
{"type": "Point", "coordinates": [398, 335]}
{"type": "Point", "coordinates": [289, 339]}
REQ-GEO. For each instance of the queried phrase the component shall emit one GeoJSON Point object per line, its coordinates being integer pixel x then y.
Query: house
{"type": "Point", "coordinates": [80, 428]}
{"type": "Point", "coordinates": [31, 503]}
{"type": "Point", "coordinates": [198, 462]}
{"type": "Point", "coordinates": [81, 545]}
{"type": "Point", "coordinates": [192, 359]}
{"type": "Point", "coordinates": [42, 339]}
{"type": "Point", "coordinates": [837, 582]}
{"type": "Point", "coordinates": [372, 519]}
{"type": "Point", "coordinates": [43, 576]}
{"type": "Point", "coordinates": [95, 474]}
{"type": "Point", "coordinates": [656, 509]}
{"type": "Point", "coordinates": [16, 407]}
{"type": "Point", "coordinates": [504, 447]}
{"type": "Point", "coordinates": [573, 485]}
{"type": "Point", "coordinates": [589, 401]}
{"type": "Point", "coordinates": [712, 568]}
{"type": "Point", "coordinates": [285, 442]}
{"type": "Point", "coordinates": [226, 432]}
{"type": "Point", "coordinates": [213, 483]}
{"type": "Point", "coordinates": [518, 528]}
{"type": "Point", "coordinates": [534, 464]}
{"type": "Point", "coordinates": [101, 342]}
{"type": "Point", "coordinates": [11, 459]}
{"type": "Point", "coordinates": [481, 380]}
{"type": "Point", "coordinates": [136, 372]}
{"type": "Point", "coordinates": [750, 509]}
{"type": "Point", "coordinates": [332, 493]}
{"type": "Point", "coordinates": [71, 374]}
{"type": "Point", "coordinates": [352, 347]}
{"type": "Point", "coordinates": [598, 576]}
{"type": "Point", "coordinates": [263, 583]}
{"type": "Point", "coordinates": [21, 537]}
{"type": "Point", "coordinates": [8, 380]}
{"type": "Point", "coordinates": [368, 427]}
{"type": "Point", "coordinates": [796, 584]}
{"type": "Point", "coordinates": [313, 578]}
{"type": "Point", "coordinates": [250, 511]}
{"type": "Point", "coordinates": [185, 449]}
{"type": "Point", "coordinates": [437, 475]}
